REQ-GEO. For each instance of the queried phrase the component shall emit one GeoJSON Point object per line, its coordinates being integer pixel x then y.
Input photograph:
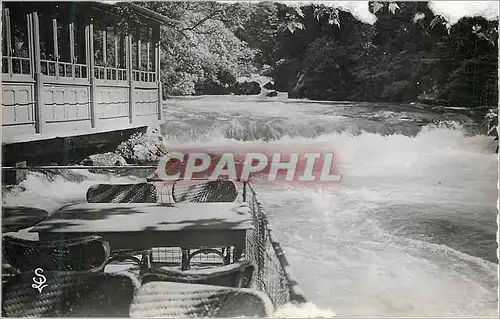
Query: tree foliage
{"type": "Point", "coordinates": [320, 52]}
{"type": "Point", "coordinates": [408, 53]}
{"type": "Point", "coordinates": [202, 54]}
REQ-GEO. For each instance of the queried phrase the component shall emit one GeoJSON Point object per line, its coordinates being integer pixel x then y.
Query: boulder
{"type": "Point", "coordinates": [247, 88]}
{"type": "Point", "coordinates": [106, 159]}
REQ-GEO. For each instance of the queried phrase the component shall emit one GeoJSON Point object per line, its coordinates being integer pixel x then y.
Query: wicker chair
{"type": "Point", "coordinates": [170, 299]}
{"type": "Point", "coordinates": [122, 193]}
{"type": "Point", "coordinates": [69, 294]}
{"type": "Point", "coordinates": [217, 191]}
{"type": "Point", "coordinates": [125, 193]}
{"type": "Point", "coordinates": [81, 254]}
{"type": "Point", "coordinates": [238, 275]}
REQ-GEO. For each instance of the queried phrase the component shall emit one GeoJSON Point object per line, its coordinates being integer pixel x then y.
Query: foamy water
{"type": "Point", "coordinates": [410, 229]}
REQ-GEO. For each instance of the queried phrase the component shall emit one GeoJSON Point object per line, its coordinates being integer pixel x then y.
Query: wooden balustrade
{"type": "Point", "coordinates": [44, 94]}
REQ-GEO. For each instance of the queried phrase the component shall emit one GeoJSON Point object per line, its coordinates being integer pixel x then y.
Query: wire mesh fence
{"type": "Point", "coordinates": [273, 275]}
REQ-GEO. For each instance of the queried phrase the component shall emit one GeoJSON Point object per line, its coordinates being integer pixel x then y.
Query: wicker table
{"type": "Point", "coordinates": [142, 226]}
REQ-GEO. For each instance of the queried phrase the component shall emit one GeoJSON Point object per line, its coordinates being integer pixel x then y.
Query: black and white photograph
{"type": "Point", "coordinates": [284, 159]}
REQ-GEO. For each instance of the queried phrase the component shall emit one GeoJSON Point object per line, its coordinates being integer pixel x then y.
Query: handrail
{"type": "Point", "coordinates": [125, 167]}
{"type": "Point", "coordinates": [40, 168]}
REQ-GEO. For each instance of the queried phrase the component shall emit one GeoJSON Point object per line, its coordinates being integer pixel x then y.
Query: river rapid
{"type": "Point", "coordinates": [409, 231]}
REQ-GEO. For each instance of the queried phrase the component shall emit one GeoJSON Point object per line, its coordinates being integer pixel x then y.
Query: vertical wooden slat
{"type": "Point", "coordinates": [104, 53]}
{"type": "Point", "coordinates": [87, 49]}
{"type": "Point", "coordinates": [156, 41]}
{"type": "Point", "coordinates": [148, 61]}
{"type": "Point", "coordinates": [39, 121]}
{"type": "Point", "coordinates": [9, 40]}
{"type": "Point", "coordinates": [160, 100]}
{"type": "Point", "coordinates": [31, 64]}
{"type": "Point", "coordinates": [116, 50]}
{"type": "Point", "coordinates": [89, 41]}
{"type": "Point", "coordinates": [128, 40]}
{"type": "Point", "coordinates": [157, 63]}
{"type": "Point", "coordinates": [56, 46]}
{"type": "Point", "coordinates": [138, 50]}
{"type": "Point", "coordinates": [123, 52]}
{"type": "Point", "coordinates": [72, 48]}
{"type": "Point", "coordinates": [104, 47]}
{"type": "Point", "coordinates": [30, 45]}
{"type": "Point", "coordinates": [148, 49]}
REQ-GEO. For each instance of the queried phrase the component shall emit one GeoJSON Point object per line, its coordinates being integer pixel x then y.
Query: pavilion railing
{"type": "Point", "coordinates": [143, 76]}
{"type": "Point", "coordinates": [110, 73]}
{"type": "Point", "coordinates": [19, 65]}
{"type": "Point", "coordinates": [63, 69]}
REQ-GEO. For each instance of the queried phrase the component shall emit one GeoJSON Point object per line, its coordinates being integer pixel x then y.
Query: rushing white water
{"type": "Point", "coordinates": [410, 229]}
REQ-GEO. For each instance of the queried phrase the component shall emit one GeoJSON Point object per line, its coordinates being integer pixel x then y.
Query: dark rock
{"type": "Point", "coordinates": [87, 162]}
{"type": "Point", "coordinates": [247, 88]}
{"type": "Point", "coordinates": [297, 92]}
{"type": "Point", "coordinates": [269, 86]}
{"type": "Point", "coordinates": [212, 88]}
{"type": "Point", "coordinates": [106, 159]}
{"type": "Point", "coordinates": [285, 73]}
{"type": "Point", "coordinates": [272, 94]}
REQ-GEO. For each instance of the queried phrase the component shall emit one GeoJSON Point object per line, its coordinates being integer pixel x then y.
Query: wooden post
{"type": "Point", "coordinates": [122, 63]}
{"type": "Point", "coordinates": [56, 47]}
{"type": "Point", "coordinates": [9, 41]}
{"type": "Point", "coordinates": [116, 53]}
{"type": "Point", "coordinates": [148, 49]}
{"type": "Point", "coordinates": [105, 53]}
{"type": "Point", "coordinates": [139, 49]}
{"type": "Point", "coordinates": [89, 41]}
{"type": "Point", "coordinates": [116, 50]}
{"type": "Point", "coordinates": [30, 45]}
{"type": "Point", "coordinates": [39, 120]}
{"type": "Point", "coordinates": [131, 83]}
{"type": "Point", "coordinates": [157, 64]}
{"type": "Point", "coordinates": [104, 47]}
{"type": "Point", "coordinates": [160, 100]}
{"type": "Point", "coordinates": [72, 48]}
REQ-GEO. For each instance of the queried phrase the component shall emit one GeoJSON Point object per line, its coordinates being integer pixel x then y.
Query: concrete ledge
{"type": "Point", "coordinates": [54, 135]}
{"type": "Point", "coordinates": [64, 148]}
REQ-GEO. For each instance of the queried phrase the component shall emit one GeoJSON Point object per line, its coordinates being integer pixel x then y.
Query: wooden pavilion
{"type": "Point", "coordinates": [79, 67]}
